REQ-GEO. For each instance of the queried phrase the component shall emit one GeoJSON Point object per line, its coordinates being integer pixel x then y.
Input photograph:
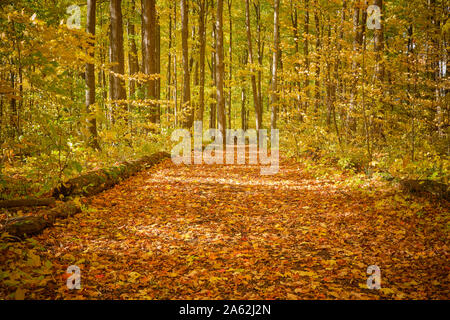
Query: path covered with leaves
{"type": "Point", "coordinates": [226, 232]}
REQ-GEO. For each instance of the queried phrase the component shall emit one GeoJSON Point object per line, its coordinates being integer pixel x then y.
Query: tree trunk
{"type": "Point", "coordinates": [252, 70]}
{"type": "Point", "coordinates": [230, 53]}
{"type": "Point", "coordinates": [133, 62]}
{"type": "Point", "coordinates": [306, 54]}
{"type": "Point", "coordinates": [379, 44]}
{"type": "Point", "coordinates": [169, 67]}
{"type": "Point", "coordinates": [202, 38]}
{"type": "Point", "coordinates": [26, 202]}
{"type": "Point", "coordinates": [22, 227]}
{"type": "Point", "coordinates": [96, 181]}
{"type": "Point", "coordinates": [90, 78]}
{"type": "Point", "coordinates": [149, 36]}
{"type": "Point", "coordinates": [318, 48]}
{"type": "Point", "coordinates": [213, 111]}
{"type": "Point", "coordinates": [117, 55]}
{"type": "Point", "coordinates": [220, 71]}
{"type": "Point", "coordinates": [260, 46]}
{"type": "Point", "coordinates": [186, 74]}
{"type": "Point", "coordinates": [275, 57]}
{"type": "Point", "coordinates": [175, 72]}
{"type": "Point", "coordinates": [158, 70]}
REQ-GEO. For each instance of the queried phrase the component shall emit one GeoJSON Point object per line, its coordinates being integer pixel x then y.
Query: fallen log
{"type": "Point", "coordinates": [96, 181]}
{"type": "Point", "coordinates": [26, 202]}
{"type": "Point", "coordinates": [22, 227]}
{"type": "Point", "coordinates": [425, 186]}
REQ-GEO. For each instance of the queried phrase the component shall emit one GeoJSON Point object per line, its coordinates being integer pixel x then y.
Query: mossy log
{"type": "Point", "coordinates": [22, 227]}
{"type": "Point", "coordinates": [96, 181]}
{"type": "Point", "coordinates": [26, 202]}
{"type": "Point", "coordinates": [425, 186]}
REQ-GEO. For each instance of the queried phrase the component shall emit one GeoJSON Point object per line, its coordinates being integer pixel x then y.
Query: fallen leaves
{"type": "Point", "coordinates": [226, 232]}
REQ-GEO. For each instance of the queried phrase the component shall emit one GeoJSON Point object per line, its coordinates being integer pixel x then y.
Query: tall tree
{"type": "Point", "coordinates": [260, 47]}
{"type": "Point", "coordinates": [230, 53]}
{"type": "Point", "coordinates": [212, 106]}
{"type": "Point", "coordinates": [275, 58]}
{"type": "Point", "coordinates": [186, 74]}
{"type": "Point", "coordinates": [379, 43]}
{"type": "Point", "coordinates": [306, 53]}
{"type": "Point", "coordinates": [149, 42]}
{"type": "Point", "coordinates": [256, 100]}
{"type": "Point", "coordinates": [202, 37]}
{"type": "Point", "coordinates": [117, 83]}
{"type": "Point", "coordinates": [90, 78]}
{"type": "Point", "coordinates": [133, 62]}
{"type": "Point", "coordinates": [220, 70]}
{"type": "Point", "coordinates": [158, 69]}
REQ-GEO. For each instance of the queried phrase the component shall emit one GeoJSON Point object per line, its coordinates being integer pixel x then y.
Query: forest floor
{"type": "Point", "coordinates": [227, 232]}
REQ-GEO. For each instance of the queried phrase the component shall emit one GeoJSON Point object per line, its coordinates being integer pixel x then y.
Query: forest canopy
{"type": "Point", "coordinates": [84, 84]}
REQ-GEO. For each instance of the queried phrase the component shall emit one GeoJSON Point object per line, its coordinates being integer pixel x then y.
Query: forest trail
{"type": "Point", "coordinates": [226, 232]}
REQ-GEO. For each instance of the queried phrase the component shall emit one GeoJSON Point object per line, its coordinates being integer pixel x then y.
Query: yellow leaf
{"type": "Point", "coordinates": [331, 262]}
{"type": "Point", "coordinates": [307, 273]}
{"type": "Point", "coordinates": [362, 285]}
{"type": "Point", "coordinates": [19, 294]}
{"type": "Point", "coordinates": [291, 296]}
{"type": "Point", "coordinates": [34, 260]}
{"type": "Point", "coordinates": [387, 291]}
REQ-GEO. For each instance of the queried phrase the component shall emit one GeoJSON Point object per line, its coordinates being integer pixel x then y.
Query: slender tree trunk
{"type": "Point", "coordinates": [244, 120]}
{"type": "Point", "coordinates": [379, 44]}
{"type": "Point", "coordinates": [158, 70]}
{"type": "Point", "coordinates": [359, 26]}
{"type": "Point", "coordinates": [318, 49]}
{"type": "Point", "coordinates": [260, 45]}
{"type": "Point", "coordinates": [186, 74]}
{"type": "Point", "coordinates": [213, 111]}
{"type": "Point", "coordinates": [230, 52]}
{"type": "Point", "coordinates": [90, 78]}
{"type": "Point", "coordinates": [175, 73]}
{"type": "Point", "coordinates": [252, 70]}
{"type": "Point", "coordinates": [294, 21]}
{"type": "Point", "coordinates": [275, 58]}
{"type": "Point", "coordinates": [306, 54]}
{"type": "Point", "coordinates": [202, 38]}
{"type": "Point", "coordinates": [117, 83]}
{"type": "Point", "coordinates": [169, 66]}
{"type": "Point", "coordinates": [220, 70]}
{"type": "Point", "coordinates": [149, 35]}
{"type": "Point", "coordinates": [133, 63]}
{"type": "Point", "coordinates": [13, 107]}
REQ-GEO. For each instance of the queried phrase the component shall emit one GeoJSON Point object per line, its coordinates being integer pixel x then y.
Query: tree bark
{"type": "Point", "coordinates": [149, 42]}
{"type": "Point", "coordinates": [202, 38]}
{"type": "Point", "coordinates": [117, 83]}
{"type": "Point", "coordinates": [275, 58]}
{"type": "Point", "coordinates": [252, 70]}
{"type": "Point", "coordinates": [26, 202]}
{"type": "Point", "coordinates": [22, 227]}
{"type": "Point", "coordinates": [220, 70]}
{"type": "Point", "coordinates": [379, 44]}
{"type": "Point", "coordinates": [133, 62]}
{"type": "Point", "coordinates": [213, 111]}
{"type": "Point", "coordinates": [186, 74]}
{"type": "Point", "coordinates": [90, 78]}
{"type": "Point", "coordinates": [158, 70]}
{"type": "Point", "coordinates": [230, 53]}
{"type": "Point", "coordinates": [96, 181]}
